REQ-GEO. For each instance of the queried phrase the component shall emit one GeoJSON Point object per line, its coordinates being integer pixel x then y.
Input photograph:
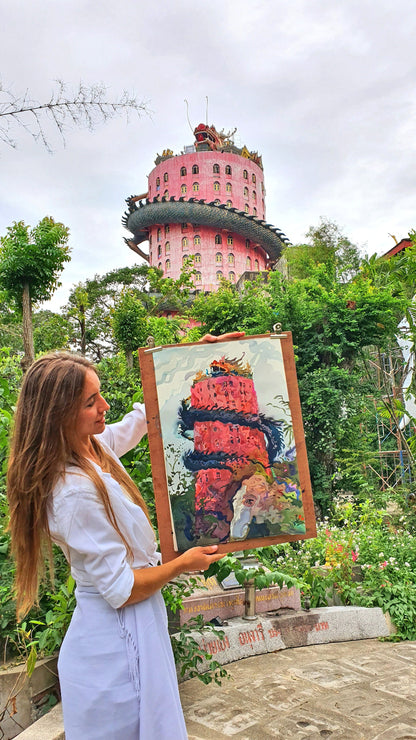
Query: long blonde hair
{"type": "Point", "coordinates": [44, 425]}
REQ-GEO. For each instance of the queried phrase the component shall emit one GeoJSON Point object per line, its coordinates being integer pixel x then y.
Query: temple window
{"type": "Point", "coordinates": [166, 194]}
{"type": "Point", "coordinates": [195, 169]}
{"type": "Point", "coordinates": [246, 192]}
{"type": "Point", "coordinates": [218, 257]}
{"type": "Point", "coordinates": [197, 258]}
{"type": "Point", "coordinates": [248, 263]}
{"type": "Point", "coordinates": [218, 239]}
{"type": "Point", "coordinates": [167, 229]}
{"type": "Point", "coordinates": [197, 239]}
{"type": "Point", "coordinates": [165, 177]}
{"type": "Point", "coordinates": [167, 247]}
{"type": "Point", "coordinates": [159, 234]}
{"type": "Point", "coordinates": [231, 277]}
{"type": "Point", "coordinates": [157, 183]}
{"type": "Point", "coordinates": [183, 189]}
{"type": "Point", "coordinates": [184, 242]}
{"type": "Point", "coordinates": [183, 171]}
{"type": "Point", "coordinates": [229, 240]}
{"type": "Point", "coordinates": [219, 275]}
{"type": "Point", "coordinates": [254, 195]}
{"type": "Point", "coordinates": [229, 203]}
{"type": "Point", "coordinates": [195, 187]}
{"type": "Point", "coordinates": [217, 202]}
{"type": "Point", "coordinates": [246, 208]}
{"type": "Point", "coordinates": [254, 211]}
{"type": "Point", "coordinates": [216, 186]}
{"type": "Point", "coordinates": [198, 277]}
{"type": "Point", "coordinates": [216, 169]}
{"type": "Point", "coordinates": [167, 265]}
{"type": "Point", "coordinates": [253, 178]}
{"type": "Point", "coordinates": [230, 259]}
{"type": "Point", "coordinates": [159, 251]}
{"type": "Point", "coordinates": [228, 169]}
{"type": "Point", "coordinates": [228, 187]}
{"type": "Point", "coordinates": [248, 243]}
{"type": "Point", "coordinates": [256, 265]}
{"type": "Point", "coordinates": [245, 174]}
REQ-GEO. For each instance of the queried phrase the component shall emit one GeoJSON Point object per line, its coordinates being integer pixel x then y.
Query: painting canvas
{"type": "Point", "coordinates": [227, 443]}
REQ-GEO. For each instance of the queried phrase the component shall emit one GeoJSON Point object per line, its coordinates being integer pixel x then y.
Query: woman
{"type": "Point", "coordinates": [67, 485]}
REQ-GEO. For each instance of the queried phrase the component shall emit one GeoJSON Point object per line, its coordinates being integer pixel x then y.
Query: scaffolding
{"type": "Point", "coordinates": [392, 464]}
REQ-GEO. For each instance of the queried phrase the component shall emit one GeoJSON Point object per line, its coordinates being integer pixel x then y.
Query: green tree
{"type": "Point", "coordinates": [91, 303]}
{"type": "Point", "coordinates": [129, 324]}
{"type": "Point", "coordinates": [328, 246]}
{"type": "Point", "coordinates": [76, 314]}
{"type": "Point", "coordinates": [10, 325]}
{"type": "Point", "coordinates": [31, 261]}
{"type": "Point", "coordinates": [132, 325]}
{"type": "Point", "coordinates": [228, 309]}
{"type": "Point", "coordinates": [333, 321]}
{"type": "Point", "coordinates": [50, 331]}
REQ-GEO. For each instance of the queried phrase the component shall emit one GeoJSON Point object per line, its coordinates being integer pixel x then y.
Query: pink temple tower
{"type": "Point", "coordinates": [207, 205]}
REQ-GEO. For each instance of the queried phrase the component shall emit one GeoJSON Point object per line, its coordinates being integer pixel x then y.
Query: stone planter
{"type": "Point", "coordinates": [26, 698]}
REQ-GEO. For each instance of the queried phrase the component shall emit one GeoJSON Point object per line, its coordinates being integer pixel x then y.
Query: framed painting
{"type": "Point", "coordinates": [226, 442]}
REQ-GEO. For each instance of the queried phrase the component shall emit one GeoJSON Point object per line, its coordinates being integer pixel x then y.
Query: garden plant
{"type": "Point", "coordinates": [340, 308]}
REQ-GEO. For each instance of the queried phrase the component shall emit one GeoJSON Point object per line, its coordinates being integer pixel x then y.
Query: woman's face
{"type": "Point", "coordinates": [91, 416]}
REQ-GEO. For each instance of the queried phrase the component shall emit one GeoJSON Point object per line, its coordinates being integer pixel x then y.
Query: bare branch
{"type": "Point", "coordinates": [87, 106]}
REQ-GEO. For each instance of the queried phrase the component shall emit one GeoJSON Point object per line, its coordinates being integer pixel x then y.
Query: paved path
{"type": "Point", "coordinates": [361, 690]}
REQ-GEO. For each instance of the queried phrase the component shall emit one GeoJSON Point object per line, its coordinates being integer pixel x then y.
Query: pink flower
{"type": "Point", "coordinates": [383, 565]}
{"type": "Point", "coordinates": [354, 555]}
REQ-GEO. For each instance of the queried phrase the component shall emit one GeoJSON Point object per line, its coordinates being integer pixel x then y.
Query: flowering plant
{"type": "Point", "coordinates": [357, 538]}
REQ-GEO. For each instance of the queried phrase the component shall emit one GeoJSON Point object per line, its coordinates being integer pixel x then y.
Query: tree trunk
{"type": "Point", "coordinates": [129, 359]}
{"type": "Point", "coordinates": [28, 345]}
{"type": "Point", "coordinates": [83, 337]}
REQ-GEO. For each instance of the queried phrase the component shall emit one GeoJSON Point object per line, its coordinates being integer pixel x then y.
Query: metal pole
{"type": "Point", "coordinates": [249, 600]}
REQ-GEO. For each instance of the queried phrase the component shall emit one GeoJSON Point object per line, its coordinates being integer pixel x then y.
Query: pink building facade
{"type": "Point", "coordinates": [206, 207]}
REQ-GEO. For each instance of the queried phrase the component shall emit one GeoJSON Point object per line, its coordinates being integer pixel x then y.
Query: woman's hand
{"type": "Point", "coordinates": [199, 558]}
{"type": "Point", "coordinates": [149, 580]}
{"type": "Point", "coordinates": [230, 335]}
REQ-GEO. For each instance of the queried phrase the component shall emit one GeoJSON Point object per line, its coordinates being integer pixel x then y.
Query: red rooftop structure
{"type": "Point", "coordinates": [402, 244]}
{"type": "Point", "coordinates": [205, 205]}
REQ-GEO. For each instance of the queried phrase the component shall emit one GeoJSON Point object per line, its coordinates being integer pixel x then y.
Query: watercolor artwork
{"type": "Point", "coordinates": [231, 462]}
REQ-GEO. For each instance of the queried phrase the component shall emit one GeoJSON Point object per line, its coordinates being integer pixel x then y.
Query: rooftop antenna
{"type": "Point", "coordinates": [187, 115]}
{"type": "Point", "coordinates": [206, 115]}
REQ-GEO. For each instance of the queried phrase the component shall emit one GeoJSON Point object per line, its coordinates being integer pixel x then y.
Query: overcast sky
{"type": "Point", "coordinates": [324, 90]}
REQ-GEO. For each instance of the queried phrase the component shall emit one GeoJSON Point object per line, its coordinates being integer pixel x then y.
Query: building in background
{"type": "Point", "coordinates": [205, 205]}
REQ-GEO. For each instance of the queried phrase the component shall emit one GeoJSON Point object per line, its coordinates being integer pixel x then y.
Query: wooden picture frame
{"type": "Point", "coordinates": [227, 446]}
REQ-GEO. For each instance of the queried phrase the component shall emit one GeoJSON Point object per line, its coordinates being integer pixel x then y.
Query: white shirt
{"type": "Point", "coordinates": [79, 525]}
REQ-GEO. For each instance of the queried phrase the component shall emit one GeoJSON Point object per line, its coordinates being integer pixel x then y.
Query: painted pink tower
{"type": "Point", "coordinates": [207, 205]}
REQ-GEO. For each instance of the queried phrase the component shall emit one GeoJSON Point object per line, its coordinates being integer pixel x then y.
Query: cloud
{"type": "Point", "coordinates": [324, 91]}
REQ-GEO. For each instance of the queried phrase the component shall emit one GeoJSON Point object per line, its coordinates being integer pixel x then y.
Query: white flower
{"type": "Point", "coordinates": [407, 565]}
{"type": "Point", "coordinates": [381, 554]}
